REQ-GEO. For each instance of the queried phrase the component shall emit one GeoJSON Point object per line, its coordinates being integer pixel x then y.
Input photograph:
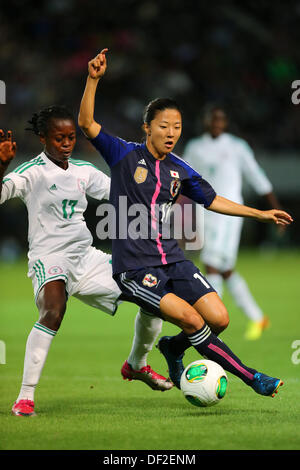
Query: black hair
{"type": "Point", "coordinates": [159, 104]}
{"type": "Point", "coordinates": [40, 121]}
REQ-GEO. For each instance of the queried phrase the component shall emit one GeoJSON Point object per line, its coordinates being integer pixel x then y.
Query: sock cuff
{"type": "Point", "coordinates": [200, 336]}
{"type": "Point", "coordinates": [43, 328]}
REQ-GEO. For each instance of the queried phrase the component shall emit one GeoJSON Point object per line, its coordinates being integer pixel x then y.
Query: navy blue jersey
{"type": "Point", "coordinates": [144, 188]}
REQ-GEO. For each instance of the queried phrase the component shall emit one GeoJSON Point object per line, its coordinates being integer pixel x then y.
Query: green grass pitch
{"type": "Point", "coordinates": [83, 403]}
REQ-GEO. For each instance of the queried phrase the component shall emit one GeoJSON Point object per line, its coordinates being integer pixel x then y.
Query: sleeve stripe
{"type": "Point", "coordinates": [81, 163]}
{"type": "Point", "coordinates": [36, 161]}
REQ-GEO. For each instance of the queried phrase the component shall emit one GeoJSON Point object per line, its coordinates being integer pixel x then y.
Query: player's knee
{"type": "Point", "coordinates": [224, 324]}
{"type": "Point", "coordinates": [52, 316]}
{"type": "Point", "coordinates": [190, 321]}
{"type": "Point", "coordinates": [222, 321]}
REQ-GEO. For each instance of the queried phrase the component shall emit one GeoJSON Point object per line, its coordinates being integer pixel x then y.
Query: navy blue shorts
{"type": "Point", "coordinates": [146, 286]}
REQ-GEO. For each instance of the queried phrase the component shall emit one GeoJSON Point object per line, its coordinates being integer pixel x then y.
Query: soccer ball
{"type": "Point", "coordinates": [204, 383]}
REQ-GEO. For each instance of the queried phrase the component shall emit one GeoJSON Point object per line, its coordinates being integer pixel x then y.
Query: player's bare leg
{"type": "Point", "coordinates": [52, 305]}
{"type": "Point", "coordinates": [213, 311]}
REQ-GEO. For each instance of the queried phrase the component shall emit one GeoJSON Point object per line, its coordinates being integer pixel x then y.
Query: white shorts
{"type": "Point", "coordinates": [87, 277]}
{"type": "Point", "coordinates": [222, 234]}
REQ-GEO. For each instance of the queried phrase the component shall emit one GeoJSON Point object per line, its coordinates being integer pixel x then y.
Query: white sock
{"type": "Point", "coordinates": [147, 329]}
{"type": "Point", "coordinates": [216, 280]}
{"type": "Point", "coordinates": [241, 294]}
{"type": "Point", "coordinates": [37, 347]}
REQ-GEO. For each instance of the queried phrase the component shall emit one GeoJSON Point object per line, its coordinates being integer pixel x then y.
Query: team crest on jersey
{"type": "Point", "coordinates": [174, 187]}
{"type": "Point", "coordinates": [150, 280]}
{"type": "Point", "coordinates": [82, 184]}
{"type": "Point", "coordinates": [55, 270]}
{"type": "Point", "coordinates": [140, 174]}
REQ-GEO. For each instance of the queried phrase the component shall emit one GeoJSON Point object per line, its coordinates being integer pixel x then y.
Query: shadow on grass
{"type": "Point", "coordinates": [138, 406]}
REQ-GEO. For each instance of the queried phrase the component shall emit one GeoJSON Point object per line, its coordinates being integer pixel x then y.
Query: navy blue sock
{"type": "Point", "coordinates": [210, 346]}
{"type": "Point", "coordinates": [179, 343]}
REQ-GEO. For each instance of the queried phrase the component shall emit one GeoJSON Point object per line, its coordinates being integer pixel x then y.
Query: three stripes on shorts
{"type": "Point", "coordinates": [140, 292]}
{"type": "Point", "coordinates": [39, 270]}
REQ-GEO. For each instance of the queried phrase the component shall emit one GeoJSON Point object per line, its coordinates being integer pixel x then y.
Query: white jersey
{"type": "Point", "coordinates": [224, 161]}
{"type": "Point", "coordinates": [56, 200]}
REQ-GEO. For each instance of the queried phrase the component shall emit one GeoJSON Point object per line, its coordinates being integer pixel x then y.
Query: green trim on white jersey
{"type": "Point", "coordinates": [74, 161]}
{"type": "Point", "coordinates": [56, 201]}
{"type": "Point", "coordinates": [36, 161]}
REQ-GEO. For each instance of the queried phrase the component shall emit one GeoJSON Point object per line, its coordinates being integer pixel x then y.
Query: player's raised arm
{"type": "Point", "coordinates": [227, 207]}
{"type": "Point", "coordinates": [8, 150]}
{"type": "Point", "coordinates": [96, 70]}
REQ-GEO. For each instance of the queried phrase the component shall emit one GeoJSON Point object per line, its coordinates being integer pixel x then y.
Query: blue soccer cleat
{"type": "Point", "coordinates": [175, 363]}
{"type": "Point", "coordinates": [265, 385]}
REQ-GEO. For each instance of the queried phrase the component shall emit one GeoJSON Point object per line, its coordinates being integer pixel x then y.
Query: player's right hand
{"type": "Point", "coordinates": [278, 217]}
{"type": "Point", "coordinates": [8, 148]}
{"type": "Point", "coordinates": [97, 66]}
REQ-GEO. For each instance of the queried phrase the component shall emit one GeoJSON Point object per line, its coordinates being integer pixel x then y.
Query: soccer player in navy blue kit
{"type": "Point", "coordinates": [152, 270]}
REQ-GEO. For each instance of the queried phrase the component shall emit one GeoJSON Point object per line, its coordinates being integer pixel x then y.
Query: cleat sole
{"type": "Point", "coordinates": [24, 415]}
{"type": "Point", "coordinates": [150, 384]}
{"type": "Point", "coordinates": [160, 383]}
{"type": "Point", "coordinates": [276, 389]}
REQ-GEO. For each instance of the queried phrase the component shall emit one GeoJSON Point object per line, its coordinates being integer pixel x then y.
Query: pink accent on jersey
{"type": "Point", "coordinates": [153, 216]}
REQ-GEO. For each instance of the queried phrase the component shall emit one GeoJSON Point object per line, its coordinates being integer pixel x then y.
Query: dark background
{"type": "Point", "coordinates": [242, 55]}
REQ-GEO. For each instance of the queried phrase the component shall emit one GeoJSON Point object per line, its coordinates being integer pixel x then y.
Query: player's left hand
{"type": "Point", "coordinates": [275, 216]}
{"type": "Point", "coordinates": [8, 148]}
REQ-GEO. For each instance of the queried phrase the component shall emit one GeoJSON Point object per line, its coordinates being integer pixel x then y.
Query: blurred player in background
{"type": "Point", "coordinates": [225, 160]}
{"type": "Point", "coordinates": [62, 261]}
{"type": "Point", "coordinates": [150, 269]}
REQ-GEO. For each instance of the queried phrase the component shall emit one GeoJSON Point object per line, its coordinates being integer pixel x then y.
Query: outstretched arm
{"type": "Point", "coordinates": [7, 153]}
{"type": "Point", "coordinates": [227, 207]}
{"type": "Point", "coordinates": [96, 69]}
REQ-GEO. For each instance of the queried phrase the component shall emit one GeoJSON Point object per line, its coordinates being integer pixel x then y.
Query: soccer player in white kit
{"type": "Point", "coordinates": [225, 160]}
{"type": "Point", "coordinates": [62, 261]}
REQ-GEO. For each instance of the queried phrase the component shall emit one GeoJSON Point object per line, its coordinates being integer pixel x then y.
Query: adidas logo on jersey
{"type": "Point", "coordinates": [53, 187]}
{"type": "Point", "coordinates": [142, 162]}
